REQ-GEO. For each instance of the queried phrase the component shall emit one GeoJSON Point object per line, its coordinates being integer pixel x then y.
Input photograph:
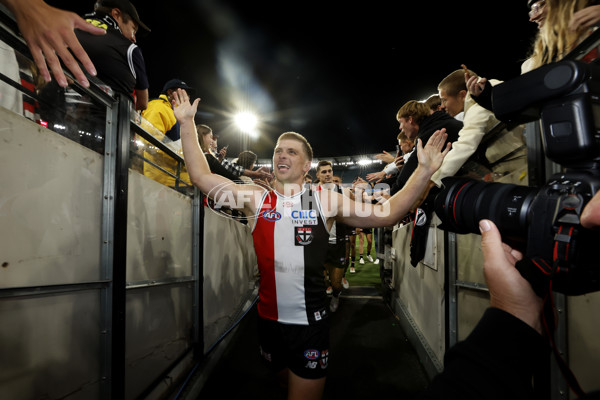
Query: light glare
{"type": "Point", "coordinates": [246, 121]}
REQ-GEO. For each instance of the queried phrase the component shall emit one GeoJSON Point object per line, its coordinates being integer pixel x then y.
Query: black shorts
{"type": "Point", "coordinates": [336, 255]}
{"type": "Point", "coordinates": [367, 231]}
{"type": "Point", "coordinates": [304, 349]}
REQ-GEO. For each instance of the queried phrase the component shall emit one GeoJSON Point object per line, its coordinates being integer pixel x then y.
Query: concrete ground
{"type": "Point", "coordinates": [370, 357]}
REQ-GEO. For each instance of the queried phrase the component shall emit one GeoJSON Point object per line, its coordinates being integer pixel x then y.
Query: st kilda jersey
{"type": "Point", "coordinates": [290, 239]}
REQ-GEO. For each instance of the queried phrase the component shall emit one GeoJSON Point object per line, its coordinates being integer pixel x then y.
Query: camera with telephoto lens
{"type": "Point", "coordinates": [543, 223]}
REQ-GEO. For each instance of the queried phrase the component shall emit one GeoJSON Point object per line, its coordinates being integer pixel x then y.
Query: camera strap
{"type": "Point", "coordinates": [540, 274]}
{"type": "Point", "coordinates": [562, 242]}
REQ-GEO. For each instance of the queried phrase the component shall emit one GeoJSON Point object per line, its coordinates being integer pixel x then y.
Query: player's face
{"type": "Point", "coordinates": [289, 161]}
{"type": "Point", "coordinates": [325, 174]}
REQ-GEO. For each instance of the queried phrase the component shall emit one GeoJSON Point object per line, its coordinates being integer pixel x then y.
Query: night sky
{"type": "Point", "coordinates": [334, 72]}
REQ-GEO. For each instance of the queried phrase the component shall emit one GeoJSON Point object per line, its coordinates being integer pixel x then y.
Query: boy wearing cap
{"type": "Point", "coordinates": [160, 111]}
{"type": "Point", "coordinates": [117, 58]}
{"type": "Point", "coordinates": [160, 114]}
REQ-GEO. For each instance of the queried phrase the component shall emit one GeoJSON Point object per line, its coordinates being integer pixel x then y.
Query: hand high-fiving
{"type": "Point", "coordinates": [181, 106]}
{"type": "Point", "coordinates": [431, 156]}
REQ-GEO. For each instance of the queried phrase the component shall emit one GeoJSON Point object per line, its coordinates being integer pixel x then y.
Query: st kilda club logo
{"type": "Point", "coordinates": [303, 236]}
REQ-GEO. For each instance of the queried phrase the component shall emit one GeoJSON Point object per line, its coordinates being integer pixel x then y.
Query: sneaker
{"type": "Point", "coordinates": [376, 261]}
{"type": "Point", "coordinates": [345, 283]}
{"type": "Point", "coordinates": [334, 304]}
{"type": "Point", "coordinates": [361, 261]}
{"type": "Point", "coordinates": [370, 258]}
{"type": "Point", "coordinates": [329, 290]}
{"type": "Point", "coordinates": [352, 270]}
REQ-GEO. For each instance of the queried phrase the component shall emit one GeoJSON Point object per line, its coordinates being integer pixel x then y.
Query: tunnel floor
{"type": "Point", "coordinates": [370, 358]}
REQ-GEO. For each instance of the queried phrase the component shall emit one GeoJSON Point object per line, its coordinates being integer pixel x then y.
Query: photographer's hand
{"type": "Point", "coordinates": [590, 218]}
{"type": "Point", "coordinates": [509, 291]}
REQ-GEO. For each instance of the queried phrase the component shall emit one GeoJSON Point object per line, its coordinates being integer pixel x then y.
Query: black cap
{"type": "Point", "coordinates": [127, 7]}
{"type": "Point", "coordinates": [177, 84]}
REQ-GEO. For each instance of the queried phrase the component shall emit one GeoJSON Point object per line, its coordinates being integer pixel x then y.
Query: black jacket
{"type": "Point", "coordinates": [499, 360]}
{"type": "Point", "coordinates": [436, 121]}
{"type": "Point", "coordinates": [119, 62]}
{"type": "Point", "coordinates": [496, 361]}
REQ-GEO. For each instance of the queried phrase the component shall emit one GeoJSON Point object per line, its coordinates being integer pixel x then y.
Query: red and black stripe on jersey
{"type": "Point", "coordinates": [290, 239]}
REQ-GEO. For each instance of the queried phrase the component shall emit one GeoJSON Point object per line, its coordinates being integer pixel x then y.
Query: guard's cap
{"type": "Point", "coordinates": [127, 7]}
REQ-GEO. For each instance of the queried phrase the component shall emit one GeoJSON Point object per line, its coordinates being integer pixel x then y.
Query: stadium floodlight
{"type": "Point", "coordinates": [364, 162]}
{"type": "Point", "coordinates": [246, 121]}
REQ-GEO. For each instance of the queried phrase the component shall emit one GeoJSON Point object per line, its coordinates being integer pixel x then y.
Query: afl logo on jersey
{"type": "Point", "coordinates": [303, 236]}
{"type": "Point", "coordinates": [312, 354]}
{"type": "Point", "coordinates": [271, 215]}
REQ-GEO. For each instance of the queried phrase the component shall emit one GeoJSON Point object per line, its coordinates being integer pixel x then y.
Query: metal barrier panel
{"type": "Point", "coordinates": [582, 331]}
{"type": "Point", "coordinates": [419, 299]}
{"type": "Point", "coordinates": [50, 346]}
{"type": "Point", "coordinates": [472, 297]}
{"type": "Point", "coordinates": [50, 206]}
{"type": "Point", "coordinates": [229, 273]}
{"type": "Point", "coordinates": [158, 332]}
{"type": "Point", "coordinates": [159, 305]}
{"type": "Point", "coordinates": [159, 232]}
{"type": "Point", "coordinates": [52, 284]}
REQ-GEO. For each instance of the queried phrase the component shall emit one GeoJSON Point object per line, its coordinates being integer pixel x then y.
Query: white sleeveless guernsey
{"type": "Point", "coordinates": [290, 239]}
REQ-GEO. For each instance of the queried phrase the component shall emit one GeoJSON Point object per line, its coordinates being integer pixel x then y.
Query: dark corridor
{"type": "Point", "coordinates": [371, 357]}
